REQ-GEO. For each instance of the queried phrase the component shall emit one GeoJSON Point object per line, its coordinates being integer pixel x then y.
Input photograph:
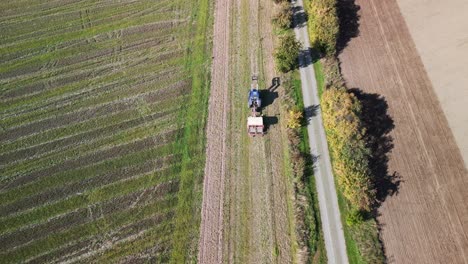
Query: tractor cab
{"type": "Point", "coordinates": [254, 122]}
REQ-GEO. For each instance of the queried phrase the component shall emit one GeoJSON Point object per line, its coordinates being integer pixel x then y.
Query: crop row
{"type": "Point", "coordinates": [89, 32]}
{"type": "Point", "coordinates": [26, 234]}
{"type": "Point", "coordinates": [101, 226]}
{"type": "Point", "coordinates": [16, 30]}
{"type": "Point", "coordinates": [102, 105]}
{"type": "Point", "coordinates": [89, 125]}
{"type": "Point", "coordinates": [90, 53]}
{"type": "Point", "coordinates": [96, 157]}
{"type": "Point", "coordinates": [142, 116]}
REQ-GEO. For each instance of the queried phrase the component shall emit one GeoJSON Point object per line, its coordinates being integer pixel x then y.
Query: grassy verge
{"type": "Point", "coordinates": [318, 69]}
{"type": "Point", "coordinates": [187, 220]}
{"type": "Point", "coordinates": [362, 242]}
{"type": "Point", "coordinates": [312, 221]}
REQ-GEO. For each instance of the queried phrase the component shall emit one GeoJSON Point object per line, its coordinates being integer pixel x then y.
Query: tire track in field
{"type": "Point", "coordinates": [83, 24]}
{"type": "Point", "coordinates": [73, 20]}
{"type": "Point", "coordinates": [210, 248]}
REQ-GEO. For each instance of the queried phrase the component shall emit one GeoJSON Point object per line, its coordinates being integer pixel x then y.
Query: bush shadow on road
{"type": "Point", "coordinates": [300, 17]}
{"type": "Point", "coordinates": [310, 112]}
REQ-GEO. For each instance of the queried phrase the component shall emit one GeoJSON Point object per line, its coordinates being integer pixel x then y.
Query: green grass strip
{"type": "Point", "coordinates": [319, 77]}
{"type": "Point", "coordinates": [187, 218]}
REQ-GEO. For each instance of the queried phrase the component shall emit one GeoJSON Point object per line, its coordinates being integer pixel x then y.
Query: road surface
{"type": "Point", "coordinates": [328, 202]}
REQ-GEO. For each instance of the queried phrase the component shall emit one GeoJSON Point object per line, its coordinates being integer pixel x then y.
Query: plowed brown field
{"type": "Point", "coordinates": [426, 221]}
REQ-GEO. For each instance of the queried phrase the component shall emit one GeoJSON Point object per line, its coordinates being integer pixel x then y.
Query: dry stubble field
{"type": "Point", "coordinates": [248, 213]}
{"type": "Point", "coordinates": [102, 112]}
{"type": "Point", "coordinates": [426, 220]}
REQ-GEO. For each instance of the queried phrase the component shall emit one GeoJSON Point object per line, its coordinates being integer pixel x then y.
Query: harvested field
{"type": "Point", "coordinates": [102, 117]}
{"type": "Point", "coordinates": [247, 213]}
{"type": "Point", "coordinates": [424, 211]}
{"type": "Point", "coordinates": [438, 29]}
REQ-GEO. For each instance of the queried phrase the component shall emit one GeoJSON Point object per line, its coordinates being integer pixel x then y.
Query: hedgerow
{"type": "Point", "coordinates": [346, 138]}
{"type": "Point", "coordinates": [323, 25]}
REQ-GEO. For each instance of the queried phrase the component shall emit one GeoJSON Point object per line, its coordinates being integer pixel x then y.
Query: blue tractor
{"type": "Point", "coordinates": [254, 96]}
{"type": "Point", "coordinates": [254, 122]}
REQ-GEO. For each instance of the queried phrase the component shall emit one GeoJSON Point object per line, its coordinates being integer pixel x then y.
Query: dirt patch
{"type": "Point", "coordinates": [211, 228]}
{"type": "Point", "coordinates": [425, 220]}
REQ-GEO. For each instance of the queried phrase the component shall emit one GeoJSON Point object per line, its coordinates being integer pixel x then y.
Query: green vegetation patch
{"type": "Point", "coordinates": [103, 110]}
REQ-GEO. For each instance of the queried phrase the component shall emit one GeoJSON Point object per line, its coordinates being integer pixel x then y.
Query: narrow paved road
{"type": "Point", "coordinates": [328, 202]}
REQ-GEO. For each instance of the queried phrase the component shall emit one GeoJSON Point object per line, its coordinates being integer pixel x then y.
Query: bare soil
{"type": "Point", "coordinates": [211, 228]}
{"type": "Point", "coordinates": [439, 31]}
{"type": "Point", "coordinates": [424, 215]}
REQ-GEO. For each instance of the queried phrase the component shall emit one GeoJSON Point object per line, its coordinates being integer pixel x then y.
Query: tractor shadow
{"type": "Point", "coordinates": [269, 95]}
{"type": "Point", "coordinates": [269, 121]}
{"type": "Point", "coordinates": [275, 83]}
